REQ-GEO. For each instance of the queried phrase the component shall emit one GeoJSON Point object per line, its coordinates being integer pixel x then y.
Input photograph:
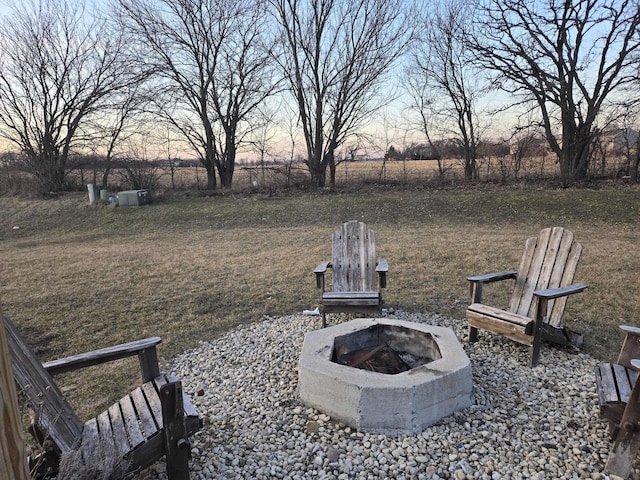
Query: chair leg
{"type": "Point", "coordinates": [177, 445]}
{"type": "Point", "coordinates": [535, 352]}
{"type": "Point", "coordinates": [473, 334]}
{"type": "Point", "coordinates": [541, 311]}
{"type": "Point", "coordinates": [324, 319]}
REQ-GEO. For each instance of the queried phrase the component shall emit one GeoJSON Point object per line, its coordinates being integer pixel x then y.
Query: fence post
{"type": "Point", "coordinates": [13, 464]}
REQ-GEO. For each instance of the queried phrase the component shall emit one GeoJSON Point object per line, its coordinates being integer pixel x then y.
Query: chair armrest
{"type": "Point", "coordinates": [493, 277]}
{"type": "Point", "coordinates": [145, 349]}
{"type": "Point", "coordinates": [382, 267]}
{"type": "Point", "coordinates": [476, 282]}
{"type": "Point", "coordinates": [319, 271]}
{"type": "Point", "coordinates": [322, 267]}
{"type": "Point", "coordinates": [551, 293]}
{"type": "Point", "coordinates": [629, 330]}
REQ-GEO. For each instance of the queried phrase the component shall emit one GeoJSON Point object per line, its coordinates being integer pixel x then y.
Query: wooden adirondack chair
{"type": "Point", "coordinates": [153, 420]}
{"type": "Point", "coordinates": [542, 283]}
{"type": "Point", "coordinates": [357, 275]}
{"type": "Point", "coordinates": [619, 399]}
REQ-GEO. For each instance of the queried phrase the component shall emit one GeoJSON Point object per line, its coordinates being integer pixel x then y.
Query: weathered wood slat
{"type": "Point", "coordinates": [531, 277]}
{"type": "Point", "coordinates": [520, 337]}
{"type": "Point", "coordinates": [90, 439]}
{"type": "Point", "coordinates": [363, 295]}
{"type": "Point", "coordinates": [153, 400]}
{"type": "Point", "coordinates": [350, 302]}
{"type": "Point", "coordinates": [623, 382]}
{"type": "Point", "coordinates": [480, 309]}
{"type": "Point", "coordinates": [570, 268]}
{"type": "Point", "coordinates": [148, 425]}
{"type": "Point", "coordinates": [131, 422]}
{"type": "Point", "coordinates": [493, 276]}
{"type": "Point", "coordinates": [56, 417]}
{"type": "Point", "coordinates": [13, 459]}
{"type": "Point", "coordinates": [350, 298]}
{"type": "Point", "coordinates": [525, 263]}
{"type": "Point", "coordinates": [120, 439]}
{"type": "Point", "coordinates": [497, 325]}
{"type": "Point", "coordinates": [105, 434]}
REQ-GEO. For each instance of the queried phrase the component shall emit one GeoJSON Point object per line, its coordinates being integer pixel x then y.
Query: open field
{"type": "Point", "coordinates": [189, 267]}
{"type": "Point", "coordinates": [408, 173]}
{"type": "Point", "coordinates": [395, 172]}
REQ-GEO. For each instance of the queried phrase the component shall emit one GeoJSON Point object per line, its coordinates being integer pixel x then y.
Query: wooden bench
{"type": "Point", "coordinates": [618, 397]}
{"type": "Point", "coordinates": [357, 275]}
{"type": "Point", "coordinates": [154, 420]}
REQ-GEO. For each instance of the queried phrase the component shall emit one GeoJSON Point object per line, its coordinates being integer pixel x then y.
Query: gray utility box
{"type": "Point", "coordinates": [134, 198]}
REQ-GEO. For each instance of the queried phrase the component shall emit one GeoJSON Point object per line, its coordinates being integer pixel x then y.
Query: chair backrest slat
{"type": "Point", "coordinates": [354, 258]}
{"type": "Point", "coordinates": [549, 261]}
{"type": "Point", "coordinates": [56, 419]}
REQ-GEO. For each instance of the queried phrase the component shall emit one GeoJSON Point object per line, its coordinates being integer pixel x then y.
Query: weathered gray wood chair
{"type": "Point", "coordinates": [542, 283]}
{"type": "Point", "coordinates": [357, 275]}
{"type": "Point", "coordinates": [619, 399]}
{"type": "Point", "coordinates": [152, 421]}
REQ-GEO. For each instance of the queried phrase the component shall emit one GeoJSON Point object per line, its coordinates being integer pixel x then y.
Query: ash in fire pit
{"type": "Point", "coordinates": [381, 359]}
{"type": "Point", "coordinates": [385, 349]}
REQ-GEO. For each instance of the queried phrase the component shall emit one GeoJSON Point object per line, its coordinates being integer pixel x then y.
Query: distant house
{"type": "Point", "coordinates": [619, 139]}
{"type": "Point", "coordinates": [425, 154]}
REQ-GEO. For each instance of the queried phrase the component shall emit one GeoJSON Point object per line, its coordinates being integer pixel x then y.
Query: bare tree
{"type": "Point", "coordinates": [568, 57]}
{"type": "Point", "coordinates": [264, 133]}
{"type": "Point", "coordinates": [442, 81]}
{"type": "Point", "coordinates": [121, 120]}
{"type": "Point", "coordinates": [335, 55]}
{"type": "Point", "coordinates": [59, 65]}
{"type": "Point", "coordinates": [212, 60]}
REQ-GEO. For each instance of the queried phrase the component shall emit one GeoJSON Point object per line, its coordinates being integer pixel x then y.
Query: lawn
{"type": "Point", "coordinates": [189, 267]}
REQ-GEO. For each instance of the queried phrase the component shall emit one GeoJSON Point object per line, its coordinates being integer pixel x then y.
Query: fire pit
{"type": "Point", "coordinates": [385, 376]}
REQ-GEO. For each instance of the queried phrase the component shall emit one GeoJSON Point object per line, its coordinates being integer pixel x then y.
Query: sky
{"type": "Point", "coordinates": [383, 131]}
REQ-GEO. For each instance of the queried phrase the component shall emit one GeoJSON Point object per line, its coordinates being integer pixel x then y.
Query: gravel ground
{"type": "Point", "coordinates": [526, 423]}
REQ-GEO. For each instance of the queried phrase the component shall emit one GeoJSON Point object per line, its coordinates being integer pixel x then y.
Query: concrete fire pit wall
{"type": "Point", "coordinates": [373, 402]}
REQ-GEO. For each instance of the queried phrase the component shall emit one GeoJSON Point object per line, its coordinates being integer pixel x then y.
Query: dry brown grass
{"type": "Point", "coordinates": [189, 268]}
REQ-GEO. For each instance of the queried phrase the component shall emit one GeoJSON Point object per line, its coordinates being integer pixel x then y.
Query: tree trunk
{"type": "Point", "coordinates": [318, 176]}
{"type": "Point", "coordinates": [226, 177]}
{"type": "Point", "coordinates": [211, 177]}
{"type": "Point", "coordinates": [226, 169]}
{"type": "Point", "coordinates": [317, 167]}
{"type": "Point", "coordinates": [332, 170]}
{"type": "Point", "coordinates": [633, 170]}
{"type": "Point", "coordinates": [574, 155]}
{"type": "Point", "coordinates": [469, 167]}
{"type": "Point", "coordinates": [105, 175]}
{"type": "Point", "coordinates": [583, 150]}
